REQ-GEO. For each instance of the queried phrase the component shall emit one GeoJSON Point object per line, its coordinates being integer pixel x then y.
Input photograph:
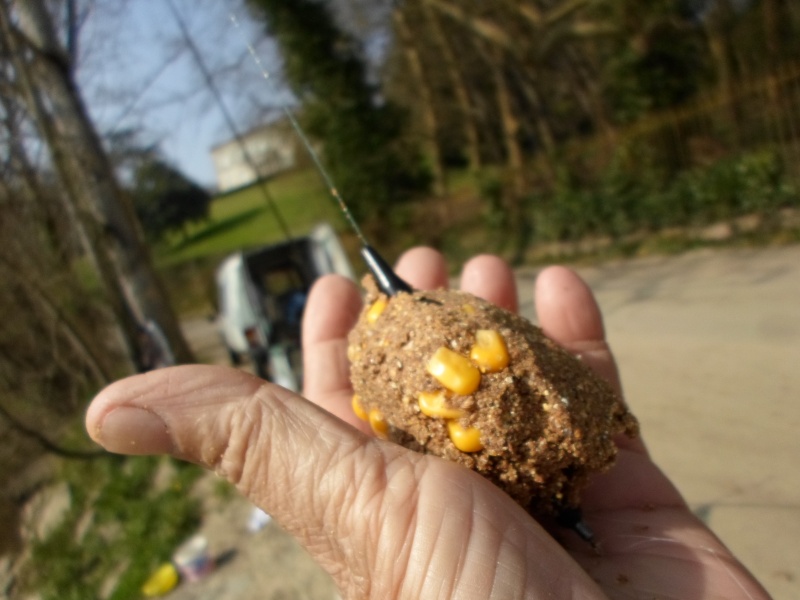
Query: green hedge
{"type": "Point", "coordinates": [636, 196]}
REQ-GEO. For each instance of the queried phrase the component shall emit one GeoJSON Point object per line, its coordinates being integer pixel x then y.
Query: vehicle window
{"type": "Point", "coordinates": [279, 282]}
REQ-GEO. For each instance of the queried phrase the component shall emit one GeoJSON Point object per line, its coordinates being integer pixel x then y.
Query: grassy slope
{"type": "Point", "coordinates": [240, 220]}
{"type": "Point", "coordinates": [244, 219]}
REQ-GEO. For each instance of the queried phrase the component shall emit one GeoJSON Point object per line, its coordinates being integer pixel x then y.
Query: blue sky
{"type": "Point", "coordinates": [136, 73]}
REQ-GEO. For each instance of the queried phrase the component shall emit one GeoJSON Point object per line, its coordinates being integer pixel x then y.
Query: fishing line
{"type": "Point", "coordinates": [209, 79]}
{"type": "Point", "coordinates": [332, 190]}
{"type": "Point", "coordinates": [388, 281]}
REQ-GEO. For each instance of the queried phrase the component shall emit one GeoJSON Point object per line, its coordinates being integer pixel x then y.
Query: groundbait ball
{"type": "Point", "coordinates": [446, 373]}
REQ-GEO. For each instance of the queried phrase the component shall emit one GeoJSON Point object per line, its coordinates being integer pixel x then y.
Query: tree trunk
{"type": "Point", "coordinates": [426, 101]}
{"type": "Point", "coordinates": [719, 46]}
{"type": "Point", "coordinates": [106, 212]}
{"type": "Point", "coordinates": [587, 90]}
{"type": "Point", "coordinates": [49, 446]}
{"type": "Point", "coordinates": [510, 124]}
{"type": "Point", "coordinates": [481, 27]}
{"type": "Point", "coordinates": [771, 10]}
{"type": "Point", "coordinates": [772, 32]}
{"type": "Point", "coordinates": [459, 88]}
{"type": "Point", "coordinates": [543, 129]}
{"type": "Point", "coordinates": [47, 307]}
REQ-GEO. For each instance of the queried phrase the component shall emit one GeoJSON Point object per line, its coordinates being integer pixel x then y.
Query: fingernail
{"type": "Point", "coordinates": [128, 430]}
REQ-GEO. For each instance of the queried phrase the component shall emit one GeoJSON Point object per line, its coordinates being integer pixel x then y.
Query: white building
{"type": "Point", "coordinates": [261, 152]}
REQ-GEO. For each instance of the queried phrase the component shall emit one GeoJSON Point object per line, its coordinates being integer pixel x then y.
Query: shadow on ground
{"type": "Point", "coordinates": [218, 227]}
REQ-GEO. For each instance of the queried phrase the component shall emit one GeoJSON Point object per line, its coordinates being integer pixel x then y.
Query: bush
{"type": "Point", "coordinates": [633, 194]}
{"type": "Point", "coordinates": [763, 187]}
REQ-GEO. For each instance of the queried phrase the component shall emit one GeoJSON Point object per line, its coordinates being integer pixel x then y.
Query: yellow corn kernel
{"type": "Point", "coordinates": [489, 352]}
{"type": "Point", "coordinates": [358, 408]}
{"type": "Point", "coordinates": [376, 310]}
{"type": "Point", "coordinates": [454, 371]}
{"type": "Point", "coordinates": [378, 423]}
{"type": "Point", "coordinates": [468, 308]}
{"type": "Point", "coordinates": [433, 404]}
{"type": "Point", "coordinates": [466, 439]}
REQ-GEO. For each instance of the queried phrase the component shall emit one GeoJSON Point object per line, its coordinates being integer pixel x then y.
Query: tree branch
{"type": "Point", "coordinates": [51, 447]}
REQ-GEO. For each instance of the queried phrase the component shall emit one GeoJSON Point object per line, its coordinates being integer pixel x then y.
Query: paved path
{"type": "Point", "coordinates": [709, 349]}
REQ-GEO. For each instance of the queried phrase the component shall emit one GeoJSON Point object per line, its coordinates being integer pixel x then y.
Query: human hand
{"type": "Point", "coordinates": [387, 522]}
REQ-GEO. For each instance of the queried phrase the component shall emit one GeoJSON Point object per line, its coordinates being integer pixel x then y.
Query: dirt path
{"type": "Point", "coordinates": [263, 565]}
{"type": "Point", "coordinates": [708, 345]}
{"type": "Point", "coordinates": [709, 349]}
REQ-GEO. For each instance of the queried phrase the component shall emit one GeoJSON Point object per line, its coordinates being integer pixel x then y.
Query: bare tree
{"type": "Point", "coordinates": [44, 80]}
{"type": "Point", "coordinates": [426, 102]}
{"type": "Point", "coordinates": [455, 76]}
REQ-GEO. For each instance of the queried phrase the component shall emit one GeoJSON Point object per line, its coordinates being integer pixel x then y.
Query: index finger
{"type": "Point", "coordinates": [331, 312]}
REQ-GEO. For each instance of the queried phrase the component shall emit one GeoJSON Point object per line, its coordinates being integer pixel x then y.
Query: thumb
{"type": "Point", "coordinates": [283, 452]}
{"type": "Point", "coordinates": [208, 415]}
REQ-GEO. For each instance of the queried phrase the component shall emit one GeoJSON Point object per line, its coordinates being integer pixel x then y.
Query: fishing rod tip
{"type": "Point", "coordinates": [388, 281]}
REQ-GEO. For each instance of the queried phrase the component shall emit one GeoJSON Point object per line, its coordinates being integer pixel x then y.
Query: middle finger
{"type": "Point", "coordinates": [423, 268]}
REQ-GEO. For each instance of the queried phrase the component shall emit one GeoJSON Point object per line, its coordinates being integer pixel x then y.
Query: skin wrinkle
{"type": "Point", "coordinates": [399, 519]}
{"type": "Point", "coordinates": [445, 494]}
{"type": "Point", "coordinates": [488, 551]}
{"type": "Point", "coordinates": [675, 550]}
{"type": "Point", "coordinates": [219, 429]}
{"type": "Point", "coordinates": [235, 460]}
{"type": "Point", "coordinates": [634, 588]}
{"type": "Point", "coordinates": [356, 506]}
{"type": "Point", "coordinates": [509, 569]}
{"type": "Point", "coordinates": [631, 488]}
{"type": "Point", "coordinates": [214, 456]}
{"type": "Point", "coordinates": [274, 459]}
{"type": "Point", "coordinates": [515, 547]}
{"type": "Point", "coordinates": [395, 516]}
{"type": "Point", "coordinates": [727, 564]}
{"type": "Point", "coordinates": [426, 560]}
{"type": "Point", "coordinates": [439, 579]}
{"type": "Point", "coordinates": [601, 519]}
{"type": "Point", "coordinates": [522, 542]}
{"type": "Point", "coordinates": [485, 550]}
{"type": "Point", "coordinates": [308, 482]}
{"type": "Point", "coordinates": [462, 555]}
{"type": "Point", "coordinates": [346, 509]}
{"type": "Point", "coordinates": [512, 565]}
{"type": "Point", "coordinates": [607, 515]}
{"type": "Point", "coordinates": [660, 544]}
{"type": "Point", "coordinates": [615, 545]}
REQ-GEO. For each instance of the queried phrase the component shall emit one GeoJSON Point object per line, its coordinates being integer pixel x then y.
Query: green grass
{"type": "Point", "coordinates": [123, 521]}
{"type": "Point", "coordinates": [244, 218]}
{"type": "Point", "coordinates": [240, 220]}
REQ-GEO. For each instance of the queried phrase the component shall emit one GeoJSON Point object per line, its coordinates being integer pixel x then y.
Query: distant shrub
{"type": "Point", "coordinates": [634, 194]}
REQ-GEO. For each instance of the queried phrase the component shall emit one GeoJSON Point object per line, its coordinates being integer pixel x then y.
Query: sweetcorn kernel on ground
{"type": "Point", "coordinates": [537, 425]}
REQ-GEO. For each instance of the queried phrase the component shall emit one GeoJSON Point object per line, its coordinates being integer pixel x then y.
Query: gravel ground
{"type": "Point", "coordinates": [265, 565]}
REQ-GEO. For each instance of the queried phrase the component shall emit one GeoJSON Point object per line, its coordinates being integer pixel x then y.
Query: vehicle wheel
{"type": "Point", "coordinates": [261, 364]}
{"type": "Point", "coordinates": [234, 357]}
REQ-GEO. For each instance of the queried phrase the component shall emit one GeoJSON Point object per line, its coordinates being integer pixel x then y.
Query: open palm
{"type": "Point", "coordinates": [390, 523]}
